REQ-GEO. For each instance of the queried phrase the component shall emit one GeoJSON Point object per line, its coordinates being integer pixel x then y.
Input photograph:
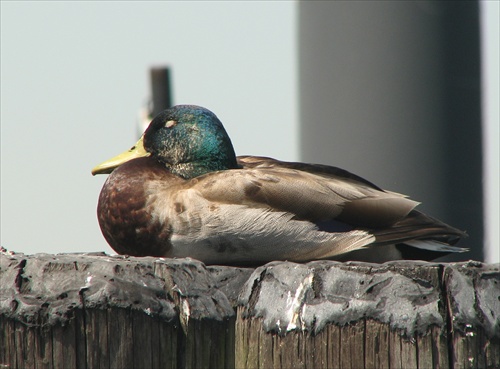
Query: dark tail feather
{"type": "Point", "coordinates": [418, 226]}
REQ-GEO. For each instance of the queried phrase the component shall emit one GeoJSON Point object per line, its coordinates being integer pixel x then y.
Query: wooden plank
{"type": "Point", "coordinates": [334, 345]}
{"type": "Point", "coordinates": [440, 351]}
{"type": "Point", "coordinates": [352, 350]}
{"type": "Point", "coordinates": [80, 339]}
{"type": "Point", "coordinates": [202, 344]}
{"type": "Point", "coordinates": [64, 346]}
{"type": "Point", "coordinates": [169, 346]}
{"type": "Point", "coordinates": [222, 343]}
{"type": "Point", "coordinates": [376, 345]}
{"type": "Point", "coordinates": [215, 343]}
{"type": "Point", "coordinates": [409, 358]}
{"type": "Point", "coordinates": [395, 349]}
{"type": "Point", "coordinates": [206, 344]}
{"type": "Point", "coordinates": [425, 352]}
{"type": "Point", "coordinates": [121, 344]}
{"type": "Point", "coordinates": [254, 344]}
{"type": "Point", "coordinates": [141, 339]}
{"type": "Point", "coordinates": [25, 346]}
{"type": "Point", "coordinates": [462, 353]}
{"type": "Point", "coordinates": [475, 350]}
{"type": "Point", "coordinates": [304, 351]}
{"type": "Point", "coordinates": [254, 347]}
{"type": "Point", "coordinates": [189, 348]}
{"type": "Point", "coordinates": [225, 339]}
{"type": "Point", "coordinates": [43, 347]}
{"type": "Point", "coordinates": [4, 341]}
{"type": "Point", "coordinates": [402, 351]}
{"type": "Point", "coordinates": [96, 328]}
{"type": "Point", "coordinates": [289, 351]}
{"type": "Point", "coordinates": [241, 339]}
{"type": "Point", "coordinates": [492, 353]}
{"type": "Point", "coordinates": [277, 363]}
{"type": "Point", "coordinates": [315, 350]}
{"type": "Point", "coordinates": [230, 337]}
{"type": "Point", "coordinates": [8, 343]}
{"type": "Point", "coordinates": [481, 357]}
{"type": "Point", "coordinates": [154, 330]}
{"type": "Point", "coordinates": [265, 345]}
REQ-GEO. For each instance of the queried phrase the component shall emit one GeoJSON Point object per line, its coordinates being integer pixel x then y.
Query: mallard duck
{"type": "Point", "coordinates": [180, 191]}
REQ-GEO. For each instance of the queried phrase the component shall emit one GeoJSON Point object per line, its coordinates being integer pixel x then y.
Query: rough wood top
{"type": "Point", "coordinates": [409, 296]}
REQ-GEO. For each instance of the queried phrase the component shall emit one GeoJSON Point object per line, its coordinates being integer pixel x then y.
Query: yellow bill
{"type": "Point", "coordinates": [137, 151]}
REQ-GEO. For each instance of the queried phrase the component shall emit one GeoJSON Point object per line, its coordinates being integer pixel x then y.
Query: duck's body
{"type": "Point", "coordinates": [252, 210]}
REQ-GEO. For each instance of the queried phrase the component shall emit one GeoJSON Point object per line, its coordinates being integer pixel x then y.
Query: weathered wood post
{"type": "Point", "coordinates": [100, 311]}
{"type": "Point", "coordinates": [359, 315]}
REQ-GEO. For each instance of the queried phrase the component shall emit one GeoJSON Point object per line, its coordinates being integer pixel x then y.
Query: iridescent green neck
{"type": "Point", "coordinates": [195, 169]}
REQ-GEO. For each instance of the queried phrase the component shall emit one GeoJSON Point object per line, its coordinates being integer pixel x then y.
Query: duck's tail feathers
{"type": "Point", "coordinates": [420, 228]}
{"type": "Point", "coordinates": [435, 246]}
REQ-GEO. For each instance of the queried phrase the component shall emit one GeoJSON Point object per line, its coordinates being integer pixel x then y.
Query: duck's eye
{"type": "Point", "coordinates": [170, 123]}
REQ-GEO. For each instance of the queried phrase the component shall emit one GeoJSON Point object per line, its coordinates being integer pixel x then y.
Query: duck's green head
{"type": "Point", "coordinates": [189, 140]}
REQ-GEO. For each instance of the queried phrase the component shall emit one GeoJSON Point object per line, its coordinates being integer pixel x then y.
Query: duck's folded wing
{"type": "Point", "coordinates": [318, 169]}
{"type": "Point", "coordinates": [315, 195]}
{"type": "Point", "coordinates": [389, 216]}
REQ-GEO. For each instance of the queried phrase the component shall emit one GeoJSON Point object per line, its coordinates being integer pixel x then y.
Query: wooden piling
{"type": "Point", "coordinates": [101, 311]}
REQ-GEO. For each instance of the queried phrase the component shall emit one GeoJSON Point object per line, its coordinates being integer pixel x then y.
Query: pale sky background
{"type": "Point", "coordinates": [75, 74]}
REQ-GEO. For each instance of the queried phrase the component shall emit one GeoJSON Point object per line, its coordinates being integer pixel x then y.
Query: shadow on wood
{"type": "Point", "coordinates": [100, 311]}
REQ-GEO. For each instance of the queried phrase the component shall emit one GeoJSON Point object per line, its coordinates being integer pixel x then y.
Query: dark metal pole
{"type": "Point", "coordinates": [161, 96]}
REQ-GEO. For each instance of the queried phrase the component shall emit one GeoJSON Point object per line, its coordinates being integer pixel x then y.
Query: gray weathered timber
{"type": "Point", "coordinates": [394, 315]}
{"type": "Point", "coordinates": [473, 294]}
{"type": "Point", "coordinates": [384, 315]}
{"type": "Point", "coordinates": [101, 311]}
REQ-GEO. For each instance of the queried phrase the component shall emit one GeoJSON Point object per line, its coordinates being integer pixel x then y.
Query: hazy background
{"type": "Point", "coordinates": [75, 74]}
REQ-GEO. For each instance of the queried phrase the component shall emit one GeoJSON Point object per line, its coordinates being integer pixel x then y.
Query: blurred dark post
{"type": "Point", "coordinates": [390, 90]}
{"type": "Point", "coordinates": [161, 95]}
